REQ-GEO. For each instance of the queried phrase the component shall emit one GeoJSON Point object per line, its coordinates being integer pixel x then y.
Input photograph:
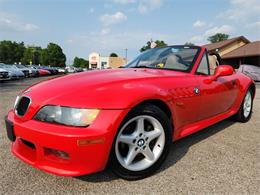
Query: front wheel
{"type": "Point", "coordinates": [245, 111]}
{"type": "Point", "coordinates": [142, 143]}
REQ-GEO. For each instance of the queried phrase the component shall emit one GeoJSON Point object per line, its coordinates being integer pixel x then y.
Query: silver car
{"type": "Point", "coordinates": [32, 71]}
{"type": "Point", "coordinates": [27, 72]}
{"type": "Point", "coordinates": [4, 75]}
{"type": "Point", "coordinates": [13, 72]}
{"type": "Point", "coordinates": [250, 70]}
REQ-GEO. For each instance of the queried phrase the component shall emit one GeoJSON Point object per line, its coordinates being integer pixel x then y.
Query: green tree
{"type": "Point", "coordinates": [159, 43]}
{"type": "Point", "coordinates": [32, 54]}
{"type": "Point", "coordinates": [80, 62]}
{"type": "Point", "coordinates": [53, 56]}
{"type": "Point", "coordinates": [189, 44]}
{"type": "Point", "coordinates": [44, 58]}
{"type": "Point", "coordinates": [11, 52]}
{"type": "Point", "coordinates": [218, 37]}
{"type": "Point", "coordinates": [113, 55]}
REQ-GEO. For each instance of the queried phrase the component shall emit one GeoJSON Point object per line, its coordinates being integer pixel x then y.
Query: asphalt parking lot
{"type": "Point", "coordinates": [222, 159]}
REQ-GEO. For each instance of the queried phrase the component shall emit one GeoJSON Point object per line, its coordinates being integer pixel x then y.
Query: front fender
{"type": "Point", "coordinates": [244, 82]}
{"type": "Point", "coordinates": [131, 94]}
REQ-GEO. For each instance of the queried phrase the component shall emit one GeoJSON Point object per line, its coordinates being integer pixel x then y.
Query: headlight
{"type": "Point", "coordinates": [67, 116]}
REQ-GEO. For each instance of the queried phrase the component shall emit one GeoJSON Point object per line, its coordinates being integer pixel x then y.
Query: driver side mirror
{"type": "Point", "coordinates": [223, 70]}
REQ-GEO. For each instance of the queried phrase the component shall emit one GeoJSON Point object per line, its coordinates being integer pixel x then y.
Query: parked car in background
{"type": "Point", "coordinates": [25, 70]}
{"type": "Point", "coordinates": [60, 70]}
{"type": "Point", "coordinates": [79, 70]}
{"type": "Point", "coordinates": [14, 73]}
{"type": "Point", "coordinates": [50, 69]}
{"type": "Point", "coordinates": [72, 69]}
{"type": "Point", "coordinates": [4, 75]}
{"type": "Point", "coordinates": [33, 72]}
{"type": "Point", "coordinates": [43, 72]}
{"type": "Point", "coordinates": [250, 70]}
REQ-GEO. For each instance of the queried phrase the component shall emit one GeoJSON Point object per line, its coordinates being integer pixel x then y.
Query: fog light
{"type": "Point", "coordinates": [50, 153]}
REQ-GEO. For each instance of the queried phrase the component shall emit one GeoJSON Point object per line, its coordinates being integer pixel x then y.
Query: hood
{"type": "Point", "coordinates": [99, 89]}
{"type": "Point", "coordinates": [3, 70]}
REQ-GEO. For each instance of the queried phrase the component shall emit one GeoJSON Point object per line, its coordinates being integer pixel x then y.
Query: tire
{"type": "Point", "coordinates": [245, 111]}
{"type": "Point", "coordinates": [130, 156]}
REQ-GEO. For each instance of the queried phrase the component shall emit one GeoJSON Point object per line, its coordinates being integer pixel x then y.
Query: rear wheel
{"type": "Point", "coordinates": [245, 111]}
{"type": "Point", "coordinates": [142, 143]}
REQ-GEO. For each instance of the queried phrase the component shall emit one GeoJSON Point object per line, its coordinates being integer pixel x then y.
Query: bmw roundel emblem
{"type": "Point", "coordinates": [196, 90]}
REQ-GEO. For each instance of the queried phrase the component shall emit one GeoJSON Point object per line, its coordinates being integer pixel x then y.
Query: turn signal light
{"type": "Point", "coordinates": [88, 142]}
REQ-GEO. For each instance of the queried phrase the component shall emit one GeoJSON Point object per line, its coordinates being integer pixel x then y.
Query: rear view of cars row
{"type": "Point", "coordinates": [18, 71]}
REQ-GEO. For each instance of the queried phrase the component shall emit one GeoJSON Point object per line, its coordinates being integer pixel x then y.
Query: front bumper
{"type": "Point", "coordinates": [4, 76]}
{"type": "Point", "coordinates": [5, 79]}
{"type": "Point", "coordinates": [31, 139]}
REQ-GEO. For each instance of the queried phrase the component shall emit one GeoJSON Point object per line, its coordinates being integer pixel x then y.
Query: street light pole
{"type": "Point", "coordinates": [126, 54]}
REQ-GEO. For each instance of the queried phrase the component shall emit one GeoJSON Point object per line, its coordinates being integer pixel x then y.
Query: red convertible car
{"type": "Point", "coordinates": [126, 118]}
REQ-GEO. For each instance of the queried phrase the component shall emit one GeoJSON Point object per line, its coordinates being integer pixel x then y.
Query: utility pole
{"type": "Point", "coordinates": [126, 54]}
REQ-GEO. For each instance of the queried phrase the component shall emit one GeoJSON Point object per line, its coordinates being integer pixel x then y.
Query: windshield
{"type": "Point", "coordinates": [179, 58]}
{"type": "Point", "coordinates": [19, 66]}
{"type": "Point", "coordinates": [4, 66]}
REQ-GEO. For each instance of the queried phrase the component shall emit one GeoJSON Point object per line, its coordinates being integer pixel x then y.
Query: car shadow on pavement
{"type": "Point", "coordinates": [177, 151]}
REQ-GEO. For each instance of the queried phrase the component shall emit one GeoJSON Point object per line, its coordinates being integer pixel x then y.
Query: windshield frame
{"type": "Point", "coordinates": [172, 46]}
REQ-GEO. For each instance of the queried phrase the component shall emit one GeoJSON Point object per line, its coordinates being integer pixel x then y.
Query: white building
{"type": "Point", "coordinates": [99, 62]}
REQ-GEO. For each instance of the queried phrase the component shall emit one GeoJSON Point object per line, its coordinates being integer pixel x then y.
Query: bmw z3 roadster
{"type": "Point", "coordinates": [126, 118]}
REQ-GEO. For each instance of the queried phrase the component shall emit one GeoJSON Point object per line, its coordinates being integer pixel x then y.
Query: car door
{"type": "Point", "coordinates": [186, 101]}
{"type": "Point", "coordinates": [218, 96]}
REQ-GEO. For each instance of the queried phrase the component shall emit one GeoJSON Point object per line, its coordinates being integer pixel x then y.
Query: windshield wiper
{"type": "Point", "coordinates": [140, 66]}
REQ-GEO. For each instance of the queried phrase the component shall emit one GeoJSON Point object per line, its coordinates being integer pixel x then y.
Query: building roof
{"type": "Point", "coordinates": [221, 44]}
{"type": "Point", "coordinates": [250, 49]}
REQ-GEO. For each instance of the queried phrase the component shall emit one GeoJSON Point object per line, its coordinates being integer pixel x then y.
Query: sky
{"type": "Point", "coordinates": [106, 26]}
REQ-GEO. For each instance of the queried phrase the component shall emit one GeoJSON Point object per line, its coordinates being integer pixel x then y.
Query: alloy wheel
{"type": "Point", "coordinates": [247, 104]}
{"type": "Point", "coordinates": [140, 143]}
